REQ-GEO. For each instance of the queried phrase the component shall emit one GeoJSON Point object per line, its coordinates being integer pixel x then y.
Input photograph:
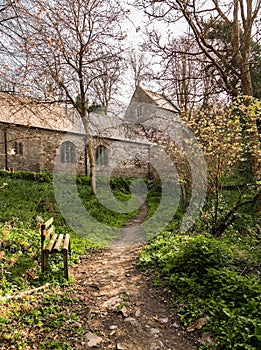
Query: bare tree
{"type": "Point", "coordinates": [233, 69]}
{"type": "Point", "coordinates": [105, 86]}
{"type": "Point", "coordinates": [239, 16]}
{"type": "Point", "coordinates": [54, 46]}
{"type": "Point", "coordinates": [7, 13]}
{"type": "Point", "coordinates": [140, 66]}
{"type": "Point", "coordinates": [182, 72]}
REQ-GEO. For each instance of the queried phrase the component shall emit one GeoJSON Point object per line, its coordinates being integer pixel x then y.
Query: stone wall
{"type": "Point", "coordinates": [125, 158]}
{"type": "Point", "coordinates": [41, 152]}
{"type": "Point", "coordinates": [41, 149]}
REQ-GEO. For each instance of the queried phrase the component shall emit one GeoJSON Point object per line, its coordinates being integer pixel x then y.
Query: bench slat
{"type": "Point", "coordinates": [58, 243]}
{"type": "Point", "coordinates": [66, 244]}
{"type": "Point", "coordinates": [51, 243]}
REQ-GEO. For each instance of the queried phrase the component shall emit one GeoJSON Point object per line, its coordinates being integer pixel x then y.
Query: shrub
{"type": "Point", "coordinates": [212, 278]}
{"type": "Point", "coordinates": [185, 254]}
{"type": "Point", "coordinates": [28, 175]}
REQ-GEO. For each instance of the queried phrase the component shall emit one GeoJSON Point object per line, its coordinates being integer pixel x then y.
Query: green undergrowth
{"type": "Point", "coordinates": [213, 277]}
{"type": "Point", "coordinates": [25, 203]}
{"type": "Point", "coordinates": [22, 317]}
{"type": "Point", "coordinates": [44, 321]}
{"type": "Point", "coordinates": [20, 258]}
{"type": "Point", "coordinates": [218, 280]}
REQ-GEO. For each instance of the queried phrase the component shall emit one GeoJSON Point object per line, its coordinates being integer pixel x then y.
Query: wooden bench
{"type": "Point", "coordinates": [53, 243]}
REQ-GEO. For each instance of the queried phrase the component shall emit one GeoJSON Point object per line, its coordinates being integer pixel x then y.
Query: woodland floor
{"type": "Point", "coordinates": [116, 304]}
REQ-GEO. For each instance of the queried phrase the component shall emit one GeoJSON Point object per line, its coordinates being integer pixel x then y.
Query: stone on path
{"type": "Point", "coordinates": [112, 303]}
{"type": "Point", "coordinates": [92, 339]}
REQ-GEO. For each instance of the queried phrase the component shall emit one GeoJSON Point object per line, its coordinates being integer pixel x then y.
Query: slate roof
{"type": "Point", "coordinates": [18, 110]}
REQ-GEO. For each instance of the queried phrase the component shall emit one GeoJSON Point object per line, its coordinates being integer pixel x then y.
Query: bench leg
{"type": "Point", "coordinates": [45, 261]}
{"type": "Point", "coordinates": [42, 261]}
{"type": "Point", "coordinates": [65, 264]}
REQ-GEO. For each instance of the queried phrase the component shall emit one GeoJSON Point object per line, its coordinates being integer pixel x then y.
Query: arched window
{"type": "Point", "coordinates": [68, 152]}
{"type": "Point", "coordinates": [18, 148]}
{"type": "Point", "coordinates": [101, 156]}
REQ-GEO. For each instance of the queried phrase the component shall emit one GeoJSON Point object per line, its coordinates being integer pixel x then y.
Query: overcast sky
{"type": "Point", "coordinates": [138, 20]}
{"type": "Point", "coordinates": [136, 28]}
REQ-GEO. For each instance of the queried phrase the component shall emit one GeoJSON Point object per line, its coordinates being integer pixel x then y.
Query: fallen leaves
{"type": "Point", "coordinates": [198, 324]}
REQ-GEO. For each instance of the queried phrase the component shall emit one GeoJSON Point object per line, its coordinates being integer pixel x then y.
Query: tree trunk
{"type": "Point", "coordinates": [90, 153]}
{"type": "Point", "coordinates": [92, 165]}
{"type": "Point", "coordinates": [253, 136]}
{"type": "Point", "coordinates": [241, 52]}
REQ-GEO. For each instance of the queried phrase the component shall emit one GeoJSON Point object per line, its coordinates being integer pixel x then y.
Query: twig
{"type": "Point", "coordinates": [22, 294]}
{"type": "Point", "coordinates": [244, 269]}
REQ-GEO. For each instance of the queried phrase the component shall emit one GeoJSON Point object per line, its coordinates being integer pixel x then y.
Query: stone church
{"type": "Point", "coordinates": [40, 138]}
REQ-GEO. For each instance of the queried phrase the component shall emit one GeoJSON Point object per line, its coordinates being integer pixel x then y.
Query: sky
{"type": "Point", "coordinates": [135, 28]}
{"type": "Point", "coordinates": [138, 20]}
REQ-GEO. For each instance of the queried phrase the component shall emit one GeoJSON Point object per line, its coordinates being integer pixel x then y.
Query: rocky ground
{"type": "Point", "coordinates": [119, 307]}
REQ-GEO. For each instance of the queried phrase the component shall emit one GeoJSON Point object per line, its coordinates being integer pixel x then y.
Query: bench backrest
{"type": "Point", "coordinates": [47, 229]}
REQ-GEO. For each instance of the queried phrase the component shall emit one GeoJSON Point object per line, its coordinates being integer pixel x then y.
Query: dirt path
{"type": "Point", "coordinates": [119, 307]}
{"type": "Point", "coordinates": [130, 232]}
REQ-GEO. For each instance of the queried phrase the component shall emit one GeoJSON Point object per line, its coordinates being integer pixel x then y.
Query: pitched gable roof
{"type": "Point", "coordinates": [161, 101]}
{"type": "Point", "coordinates": [146, 104]}
{"type": "Point", "coordinates": [142, 95]}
